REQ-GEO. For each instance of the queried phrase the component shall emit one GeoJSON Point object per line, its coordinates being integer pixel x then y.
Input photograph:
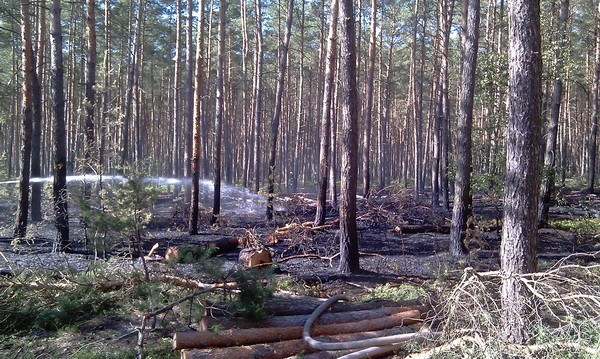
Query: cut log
{"type": "Point", "coordinates": [237, 337]}
{"type": "Point", "coordinates": [285, 349]}
{"type": "Point", "coordinates": [208, 322]}
{"type": "Point", "coordinates": [250, 257]}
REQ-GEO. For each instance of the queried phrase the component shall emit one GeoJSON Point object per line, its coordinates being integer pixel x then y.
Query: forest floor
{"type": "Point", "coordinates": [402, 241]}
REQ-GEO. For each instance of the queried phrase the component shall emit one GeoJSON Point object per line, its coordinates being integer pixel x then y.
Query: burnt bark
{"type": "Point", "coordinates": [593, 150]}
{"type": "Point", "coordinates": [462, 196]}
{"type": "Point", "coordinates": [60, 144]}
{"type": "Point", "coordinates": [349, 256]}
{"type": "Point", "coordinates": [518, 249]}
{"type": "Point", "coordinates": [26, 122]}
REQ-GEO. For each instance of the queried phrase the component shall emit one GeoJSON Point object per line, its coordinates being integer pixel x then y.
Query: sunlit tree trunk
{"type": "Point", "coordinates": [278, 107]}
{"type": "Point", "coordinates": [326, 110]}
{"type": "Point", "coordinates": [349, 256]}
{"type": "Point", "coordinates": [462, 193]}
{"type": "Point", "coordinates": [219, 110]}
{"type": "Point", "coordinates": [258, 94]}
{"type": "Point", "coordinates": [300, 110]}
{"type": "Point", "coordinates": [189, 94]}
{"type": "Point", "coordinates": [518, 249]}
{"type": "Point", "coordinates": [60, 145]}
{"type": "Point", "coordinates": [198, 91]}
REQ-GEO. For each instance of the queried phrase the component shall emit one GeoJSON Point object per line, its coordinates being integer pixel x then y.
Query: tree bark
{"type": "Point", "coordinates": [196, 132]}
{"type": "Point", "coordinates": [258, 74]}
{"type": "Point", "coordinates": [368, 110]}
{"type": "Point", "coordinates": [462, 196]}
{"type": "Point", "coordinates": [349, 256]}
{"type": "Point", "coordinates": [592, 152]}
{"type": "Point", "coordinates": [60, 144]}
{"type": "Point", "coordinates": [90, 96]}
{"type": "Point", "coordinates": [219, 111]}
{"type": "Point", "coordinates": [26, 122]}
{"type": "Point", "coordinates": [549, 170]}
{"type": "Point", "coordinates": [328, 90]}
{"type": "Point", "coordinates": [36, 135]}
{"type": "Point", "coordinates": [278, 106]}
{"type": "Point", "coordinates": [189, 95]}
{"type": "Point", "coordinates": [518, 249]}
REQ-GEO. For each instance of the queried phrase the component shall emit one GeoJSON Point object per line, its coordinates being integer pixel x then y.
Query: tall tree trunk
{"type": "Point", "coordinates": [258, 74]}
{"type": "Point", "coordinates": [36, 135]}
{"type": "Point", "coordinates": [106, 88]}
{"type": "Point", "coordinates": [28, 65]}
{"type": "Point", "coordinates": [219, 110]}
{"type": "Point", "coordinates": [90, 82]}
{"type": "Point", "coordinates": [198, 91]}
{"type": "Point", "coordinates": [60, 144]}
{"type": "Point", "coordinates": [278, 106]}
{"type": "Point", "coordinates": [518, 249]}
{"type": "Point", "coordinates": [131, 83]}
{"type": "Point", "coordinates": [189, 94]}
{"type": "Point", "coordinates": [592, 152]}
{"type": "Point", "coordinates": [349, 256]}
{"type": "Point", "coordinates": [462, 195]}
{"type": "Point", "coordinates": [549, 171]}
{"type": "Point", "coordinates": [245, 117]}
{"type": "Point", "coordinates": [177, 164]}
{"type": "Point", "coordinates": [328, 90]}
{"type": "Point", "coordinates": [301, 112]}
{"type": "Point", "coordinates": [368, 110]}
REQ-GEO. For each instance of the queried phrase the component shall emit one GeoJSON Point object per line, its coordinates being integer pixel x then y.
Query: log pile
{"type": "Point", "coordinates": [280, 336]}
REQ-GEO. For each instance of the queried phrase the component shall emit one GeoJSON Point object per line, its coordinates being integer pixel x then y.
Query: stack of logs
{"type": "Point", "coordinates": [280, 336]}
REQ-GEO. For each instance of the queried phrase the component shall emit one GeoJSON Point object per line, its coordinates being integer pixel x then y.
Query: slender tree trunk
{"type": "Point", "coordinates": [189, 94]}
{"type": "Point", "coordinates": [368, 110]}
{"type": "Point", "coordinates": [198, 91]}
{"type": "Point", "coordinates": [278, 106]}
{"type": "Point", "coordinates": [258, 69]}
{"type": "Point", "coordinates": [60, 145]}
{"type": "Point", "coordinates": [518, 249]}
{"type": "Point", "coordinates": [36, 136]}
{"type": "Point", "coordinates": [28, 65]}
{"type": "Point", "coordinates": [592, 152]}
{"type": "Point", "coordinates": [301, 112]}
{"type": "Point", "coordinates": [177, 164]}
{"type": "Point", "coordinates": [90, 96]}
{"type": "Point", "coordinates": [131, 83]}
{"type": "Point", "coordinates": [349, 256]}
{"type": "Point", "coordinates": [219, 111]}
{"type": "Point", "coordinates": [245, 117]}
{"type": "Point", "coordinates": [550, 153]}
{"type": "Point", "coordinates": [106, 88]}
{"type": "Point", "coordinates": [462, 195]}
{"type": "Point", "coordinates": [328, 90]}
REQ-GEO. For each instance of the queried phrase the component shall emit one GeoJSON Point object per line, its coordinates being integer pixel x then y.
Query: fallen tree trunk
{"type": "Point", "coordinates": [285, 349]}
{"type": "Point", "coordinates": [208, 322]}
{"type": "Point", "coordinates": [237, 337]}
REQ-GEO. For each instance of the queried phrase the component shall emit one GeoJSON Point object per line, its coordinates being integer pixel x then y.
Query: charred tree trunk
{"type": "Point", "coordinates": [462, 195]}
{"type": "Point", "coordinates": [278, 106]}
{"type": "Point", "coordinates": [28, 65]}
{"type": "Point", "coordinates": [60, 144]}
{"type": "Point", "coordinates": [518, 250]}
{"type": "Point", "coordinates": [328, 90]}
{"type": "Point", "coordinates": [349, 256]}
